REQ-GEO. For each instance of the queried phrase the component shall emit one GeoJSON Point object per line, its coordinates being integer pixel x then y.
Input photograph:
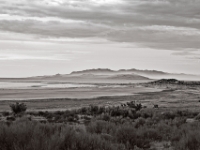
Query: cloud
{"type": "Point", "coordinates": [158, 24]}
{"type": "Point", "coordinates": [28, 57]}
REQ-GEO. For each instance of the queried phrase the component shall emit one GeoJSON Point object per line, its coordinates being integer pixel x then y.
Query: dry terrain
{"type": "Point", "coordinates": [98, 87]}
{"type": "Point", "coordinates": [169, 98]}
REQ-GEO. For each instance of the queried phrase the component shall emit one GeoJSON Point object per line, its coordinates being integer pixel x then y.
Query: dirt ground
{"type": "Point", "coordinates": [166, 96]}
{"type": "Point", "coordinates": [167, 99]}
{"type": "Point", "coordinates": [80, 93]}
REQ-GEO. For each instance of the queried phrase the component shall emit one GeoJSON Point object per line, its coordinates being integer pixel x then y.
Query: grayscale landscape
{"type": "Point", "coordinates": [102, 87]}
{"type": "Point", "coordinates": [99, 75]}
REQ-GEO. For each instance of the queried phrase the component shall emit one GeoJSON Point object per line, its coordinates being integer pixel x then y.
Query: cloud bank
{"type": "Point", "coordinates": [158, 24]}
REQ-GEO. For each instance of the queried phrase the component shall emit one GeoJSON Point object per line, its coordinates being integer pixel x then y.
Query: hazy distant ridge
{"type": "Point", "coordinates": [106, 74]}
{"type": "Point", "coordinates": [151, 74]}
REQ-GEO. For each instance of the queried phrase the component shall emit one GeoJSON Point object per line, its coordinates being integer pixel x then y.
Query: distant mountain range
{"type": "Point", "coordinates": [109, 76]}
{"type": "Point", "coordinates": [150, 74]}
{"type": "Point", "coordinates": [97, 76]}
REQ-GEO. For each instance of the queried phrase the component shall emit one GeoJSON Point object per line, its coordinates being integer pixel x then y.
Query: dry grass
{"type": "Point", "coordinates": [168, 99]}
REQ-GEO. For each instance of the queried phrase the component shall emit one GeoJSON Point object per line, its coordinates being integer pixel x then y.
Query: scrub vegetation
{"type": "Point", "coordinates": [127, 127]}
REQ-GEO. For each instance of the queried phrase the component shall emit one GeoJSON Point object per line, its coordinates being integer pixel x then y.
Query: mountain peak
{"type": "Point", "coordinates": [93, 70]}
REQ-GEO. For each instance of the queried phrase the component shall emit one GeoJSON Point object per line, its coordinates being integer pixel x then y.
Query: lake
{"type": "Point", "coordinates": [28, 85]}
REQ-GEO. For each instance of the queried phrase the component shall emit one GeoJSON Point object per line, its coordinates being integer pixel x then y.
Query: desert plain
{"type": "Point", "coordinates": [102, 87]}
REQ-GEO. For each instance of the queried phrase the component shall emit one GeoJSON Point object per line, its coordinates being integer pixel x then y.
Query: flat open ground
{"type": "Point", "coordinates": [173, 99]}
{"type": "Point", "coordinates": [83, 92]}
{"type": "Point", "coordinates": [52, 96]}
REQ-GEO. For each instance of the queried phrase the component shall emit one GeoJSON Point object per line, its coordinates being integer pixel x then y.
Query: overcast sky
{"type": "Point", "coordinates": [43, 37]}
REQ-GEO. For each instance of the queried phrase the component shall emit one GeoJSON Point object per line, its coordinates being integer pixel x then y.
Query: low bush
{"type": "Point", "coordinates": [18, 108]}
{"type": "Point", "coordinates": [29, 135]}
{"type": "Point", "coordinates": [98, 128]}
{"type": "Point", "coordinates": [10, 118]}
{"type": "Point", "coordinates": [5, 113]}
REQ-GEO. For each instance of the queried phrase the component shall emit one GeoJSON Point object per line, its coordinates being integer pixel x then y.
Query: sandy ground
{"type": "Point", "coordinates": [56, 98]}
{"type": "Point", "coordinates": [105, 94]}
{"type": "Point", "coordinates": [167, 99]}
{"type": "Point", "coordinates": [101, 85]}
{"type": "Point", "coordinates": [84, 92]}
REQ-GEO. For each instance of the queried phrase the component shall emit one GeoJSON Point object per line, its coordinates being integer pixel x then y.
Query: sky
{"type": "Point", "coordinates": [46, 37]}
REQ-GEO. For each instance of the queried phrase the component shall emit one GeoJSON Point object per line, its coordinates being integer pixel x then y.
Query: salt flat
{"type": "Point", "coordinates": [97, 87]}
{"type": "Point", "coordinates": [77, 92]}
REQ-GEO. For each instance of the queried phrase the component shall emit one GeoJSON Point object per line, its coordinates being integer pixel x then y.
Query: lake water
{"type": "Point", "coordinates": [25, 85]}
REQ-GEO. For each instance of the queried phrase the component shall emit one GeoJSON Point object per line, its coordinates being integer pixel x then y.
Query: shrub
{"type": "Point", "coordinates": [133, 104]}
{"type": "Point", "coordinates": [113, 128]}
{"type": "Point", "coordinates": [101, 127]}
{"type": "Point", "coordinates": [197, 117]}
{"type": "Point", "coordinates": [5, 113]}
{"type": "Point", "coordinates": [140, 122]}
{"type": "Point", "coordinates": [130, 137]}
{"type": "Point", "coordinates": [94, 109]}
{"type": "Point", "coordinates": [18, 108]}
{"type": "Point", "coordinates": [106, 117]}
{"type": "Point", "coordinates": [83, 110]}
{"type": "Point", "coordinates": [27, 135]}
{"type": "Point", "coordinates": [11, 118]}
{"type": "Point", "coordinates": [188, 141]}
{"type": "Point", "coordinates": [88, 142]}
{"type": "Point", "coordinates": [168, 115]}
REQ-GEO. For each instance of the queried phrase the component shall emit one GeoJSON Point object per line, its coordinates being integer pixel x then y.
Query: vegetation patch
{"type": "Point", "coordinates": [127, 127]}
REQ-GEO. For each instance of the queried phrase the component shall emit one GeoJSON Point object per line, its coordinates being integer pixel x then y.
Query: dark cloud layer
{"type": "Point", "coordinates": [159, 24]}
